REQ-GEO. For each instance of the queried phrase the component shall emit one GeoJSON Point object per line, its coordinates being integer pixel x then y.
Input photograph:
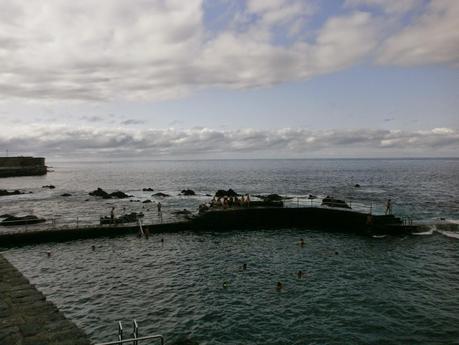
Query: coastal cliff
{"type": "Point", "coordinates": [22, 166]}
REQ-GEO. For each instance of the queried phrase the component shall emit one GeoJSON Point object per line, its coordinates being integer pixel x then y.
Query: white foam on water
{"type": "Point", "coordinates": [426, 233]}
{"type": "Point", "coordinates": [449, 234]}
{"type": "Point", "coordinates": [379, 236]}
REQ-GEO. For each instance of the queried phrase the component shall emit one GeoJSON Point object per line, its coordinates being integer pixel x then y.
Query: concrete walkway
{"type": "Point", "coordinates": [27, 318]}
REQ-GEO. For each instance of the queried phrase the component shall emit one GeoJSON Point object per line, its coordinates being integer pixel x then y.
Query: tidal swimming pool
{"type": "Point", "coordinates": [357, 290]}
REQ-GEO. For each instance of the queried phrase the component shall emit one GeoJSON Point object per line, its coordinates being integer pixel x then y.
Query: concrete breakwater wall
{"type": "Point", "coordinates": [228, 220]}
{"type": "Point", "coordinates": [22, 166]}
{"type": "Point", "coordinates": [27, 318]}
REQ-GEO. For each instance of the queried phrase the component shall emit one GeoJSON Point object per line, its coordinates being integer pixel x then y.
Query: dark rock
{"type": "Point", "coordinates": [188, 192]}
{"type": "Point", "coordinates": [119, 195]}
{"type": "Point", "coordinates": [5, 215]}
{"type": "Point", "coordinates": [125, 218]}
{"type": "Point", "coordinates": [311, 197]}
{"type": "Point", "coordinates": [146, 201]}
{"type": "Point", "coordinates": [100, 192]}
{"type": "Point", "coordinates": [4, 192]}
{"type": "Point", "coordinates": [228, 193]}
{"type": "Point", "coordinates": [50, 186]}
{"type": "Point", "coordinates": [13, 220]}
{"type": "Point", "coordinates": [208, 195]}
{"type": "Point", "coordinates": [66, 194]}
{"type": "Point", "coordinates": [148, 189]}
{"type": "Point", "coordinates": [270, 197]}
{"type": "Point", "coordinates": [332, 202]}
{"type": "Point", "coordinates": [162, 195]}
{"type": "Point", "coordinates": [357, 185]}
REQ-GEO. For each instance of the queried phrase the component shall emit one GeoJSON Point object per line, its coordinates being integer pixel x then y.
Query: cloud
{"type": "Point", "coordinates": [113, 49]}
{"type": "Point", "coordinates": [132, 122]}
{"type": "Point", "coordinates": [433, 38]}
{"type": "Point", "coordinates": [56, 141]}
{"type": "Point", "coordinates": [161, 49]}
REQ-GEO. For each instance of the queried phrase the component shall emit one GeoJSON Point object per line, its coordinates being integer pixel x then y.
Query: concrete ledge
{"type": "Point", "coordinates": [27, 318]}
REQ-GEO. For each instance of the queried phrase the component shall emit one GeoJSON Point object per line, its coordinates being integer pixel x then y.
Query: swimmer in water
{"type": "Point", "coordinates": [244, 267]}
{"type": "Point", "coordinates": [300, 274]}
{"type": "Point", "coordinates": [279, 286]}
{"type": "Point", "coordinates": [93, 247]}
{"type": "Point", "coordinates": [49, 254]}
{"type": "Point", "coordinates": [301, 242]}
{"type": "Point", "coordinates": [225, 284]}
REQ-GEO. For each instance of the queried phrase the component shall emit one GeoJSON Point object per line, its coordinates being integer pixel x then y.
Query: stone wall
{"type": "Point", "coordinates": [27, 318]}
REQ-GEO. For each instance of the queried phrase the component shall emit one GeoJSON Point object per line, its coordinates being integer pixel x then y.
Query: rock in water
{"type": "Point", "coordinates": [228, 193]}
{"type": "Point", "coordinates": [4, 192]}
{"type": "Point", "coordinates": [188, 192]}
{"type": "Point", "coordinates": [148, 189]}
{"type": "Point", "coordinates": [162, 195]}
{"type": "Point", "coordinates": [332, 202]}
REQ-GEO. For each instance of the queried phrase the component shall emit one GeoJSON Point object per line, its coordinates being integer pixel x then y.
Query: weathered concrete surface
{"type": "Point", "coordinates": [27, 318]}
{"type": "Point", "coordinates": [22, 166]}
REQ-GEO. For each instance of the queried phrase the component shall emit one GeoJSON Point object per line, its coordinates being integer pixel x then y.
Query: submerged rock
{"type": "Point", "coordinates": [311, 197]}
{"type": "Point", "coordinates": [4, 192]}
{"type": "Point", "coordinates": [332, 202]}
{"type": "Point", "coordinates": [148, 189]}
{"type": "Point", "coordinates": [228, 193]}
{"type": "Point", "coordinates": [50, 186]}
{"type": "Point", "coordinates": [162, 195]}
{"type": "Point", "coordinates": [146, 201]}
{"type": "Point", "coordinates": [187, 192]}
{"type": "Point", "coordinates": [119, 195]}
{"type": "Point", "coordinates": [66, 194]}
{"type": "Point", "coordinates": [357, 185]}
{"type": "Point", "coordinates": [13, 220]}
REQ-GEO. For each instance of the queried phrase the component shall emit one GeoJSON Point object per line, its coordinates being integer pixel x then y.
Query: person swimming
{"type": "Point", "coordinates": [279, 286]}
{"type": "Point", "coordinates": [244, 267]}
{"type": "Point", "coordinates": [300, 274]}
{"type": "Point", "coordinates": [225, 284]}
{"type": "Point", "coordinates": [301, 242]}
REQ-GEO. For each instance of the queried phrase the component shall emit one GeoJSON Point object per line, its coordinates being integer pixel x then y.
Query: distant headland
{"type": "Point", "coordinates": [22, 166]}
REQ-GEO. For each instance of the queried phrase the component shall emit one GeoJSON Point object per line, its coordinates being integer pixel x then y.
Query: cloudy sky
{"type": "Point", "coordinates": [191, 79]}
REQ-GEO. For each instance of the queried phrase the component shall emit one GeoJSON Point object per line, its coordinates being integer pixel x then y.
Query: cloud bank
{"type": "Point", "coordinates": [160, 49]}
{"type": "Point", "coordinates": [87, 142]}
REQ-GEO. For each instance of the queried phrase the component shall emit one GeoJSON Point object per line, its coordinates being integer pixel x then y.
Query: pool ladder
{"type": "Point", "coordinates": [135, 339]}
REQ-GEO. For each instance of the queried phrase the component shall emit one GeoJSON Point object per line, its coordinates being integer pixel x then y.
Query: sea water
{"type": "Point", "coordinates": [356, 289]}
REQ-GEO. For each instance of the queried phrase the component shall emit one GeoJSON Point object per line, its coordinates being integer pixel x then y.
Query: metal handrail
{"type": "Point", "coordinates": [135, 340]}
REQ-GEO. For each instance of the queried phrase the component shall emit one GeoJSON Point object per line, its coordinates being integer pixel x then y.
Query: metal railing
{"type": "Point", "coordinates": [135, 340]}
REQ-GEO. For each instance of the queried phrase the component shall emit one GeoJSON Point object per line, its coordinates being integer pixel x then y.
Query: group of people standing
{"type": "Point", "coordinates": [232, 201]}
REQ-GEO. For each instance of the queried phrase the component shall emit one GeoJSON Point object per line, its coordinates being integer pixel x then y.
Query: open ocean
{"type": "Point", "coordinates": [357, 289]}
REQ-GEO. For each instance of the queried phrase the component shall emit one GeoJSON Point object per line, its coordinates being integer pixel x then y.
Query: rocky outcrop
{"type": "Point", "coordinates": [187, 192]}
{"type": "Point", "coordinates": [146, 201]}
{"type": "Point", "coordinates": [4, 192]}
{"type": "Point", "coordinates": [100, 192]}
{"type": "Point", "coordinates": [270, 197]}
{"type": "Point", "coordinates": [148, 189]}
{"type": "Point", "coordinates": [332, 202]}
{"type": "Point", "coordinates": [228, 193]}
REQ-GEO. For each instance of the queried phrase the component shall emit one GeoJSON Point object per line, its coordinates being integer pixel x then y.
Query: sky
{"type": "Point", "coordinates": [211, 79]}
